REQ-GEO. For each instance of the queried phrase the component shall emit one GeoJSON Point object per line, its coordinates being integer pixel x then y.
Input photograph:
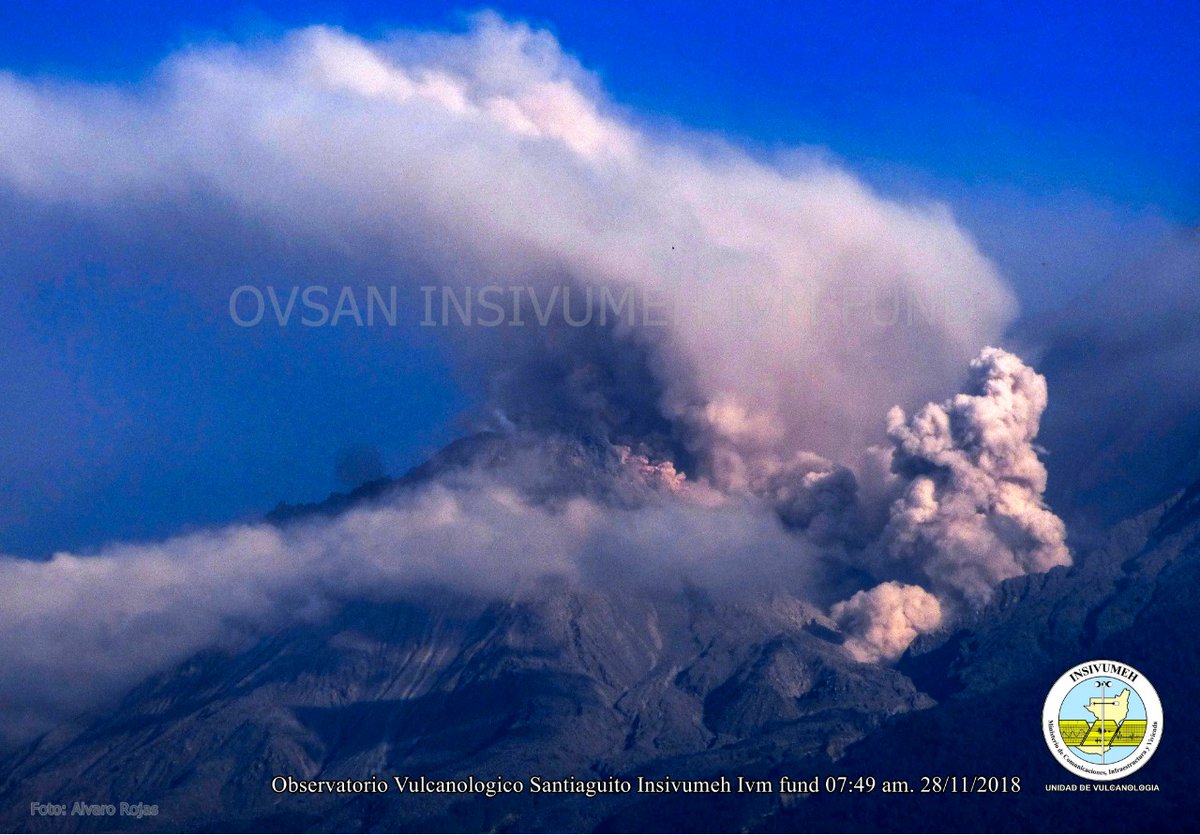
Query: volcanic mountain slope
{"type": "Point", "coordinates": [559, 681]}
{"type": "Point", "coordinates": [552, 679]}
{"type": "Point", "coordinates": [1132, 600]}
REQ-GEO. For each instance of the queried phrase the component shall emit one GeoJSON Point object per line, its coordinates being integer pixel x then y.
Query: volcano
{"type": "Point", "coordinates": [559, 681]}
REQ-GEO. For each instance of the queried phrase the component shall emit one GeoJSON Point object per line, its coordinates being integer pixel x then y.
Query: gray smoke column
{"type": "Point", "coordinates": [972, 513]}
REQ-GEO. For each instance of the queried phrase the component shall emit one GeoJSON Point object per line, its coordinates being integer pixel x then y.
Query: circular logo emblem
{"type": "Point", "coordinates": [1102, 720]}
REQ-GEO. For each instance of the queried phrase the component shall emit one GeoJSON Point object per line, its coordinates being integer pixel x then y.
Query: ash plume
{"type": "Point", "coordinates": [971, 513]}
{"type": "Point", "coordinates": [882, 622]}
{"type": "Point", "coordinates": [802, 303]}
{"type": "Point", "coordinates": [799, 304]}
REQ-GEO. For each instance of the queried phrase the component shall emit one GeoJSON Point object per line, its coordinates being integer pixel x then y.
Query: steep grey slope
{"type": "Point", "coordinates": [558, 683]}
{"type": "Point", "coordinates": [1133, 600]}
{"type": "Point", "coordinates": [548, 467]}
{"type": "Point", "coordinates": [552, 680]}
{"type": "Point", "coordinates": [1052, 620]}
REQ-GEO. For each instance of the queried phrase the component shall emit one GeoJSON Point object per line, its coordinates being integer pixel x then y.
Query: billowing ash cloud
{"type": "Point", "coordinates": [600, 516]}
{"type": "Point", "coordinates": [801, 307]}
{"type": "Point", "coordinates": [968, 511]}
{"type": "Point", "coordinates": [882, 622]}
{"type": "Point", "coordinates": [972, 514]}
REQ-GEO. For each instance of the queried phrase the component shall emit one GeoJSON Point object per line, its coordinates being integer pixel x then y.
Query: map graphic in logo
{"type": "Point", "coordinates": [1102, 720]}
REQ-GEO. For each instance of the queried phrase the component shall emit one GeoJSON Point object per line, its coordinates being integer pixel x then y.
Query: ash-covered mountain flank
{"type": "Point", "coordinates": [1132, 599]}
{"type": "Point", "coordinates": [560, 677]}
{"type": "Point", "coordinates": [554, 678]}
{"type": "Point", "coordinates": [553, 603]}
{"type": "Point", "coordinates": [559, 683]}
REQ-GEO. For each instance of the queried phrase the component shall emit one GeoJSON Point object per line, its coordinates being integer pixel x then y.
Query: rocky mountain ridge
{"type": "Point", "coordinates": [560, 681]}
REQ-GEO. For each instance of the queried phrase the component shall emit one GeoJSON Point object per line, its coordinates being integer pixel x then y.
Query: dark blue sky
{"type": "Point", "coordinates": [131, 417]}
{"type": "Point", "coordinates": [1103, 97]}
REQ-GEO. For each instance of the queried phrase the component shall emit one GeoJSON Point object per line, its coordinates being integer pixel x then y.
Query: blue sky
{"type": "Point", "coordinates": [1102, 97]}
{"type": "Point", "coordinates": [128, 417]}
